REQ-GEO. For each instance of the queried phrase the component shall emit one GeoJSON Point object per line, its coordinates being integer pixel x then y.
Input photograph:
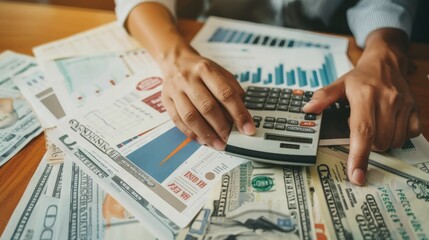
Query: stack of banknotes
{"type": "Point", "coordinates": [116, 167]}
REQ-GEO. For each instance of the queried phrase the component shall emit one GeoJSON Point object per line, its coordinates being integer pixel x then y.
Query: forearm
{"type": "Point", "coordinates": [154, 27]}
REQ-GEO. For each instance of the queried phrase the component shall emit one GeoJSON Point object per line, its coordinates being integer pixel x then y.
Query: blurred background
{"type": "Point", "coordinates": [420, 27]}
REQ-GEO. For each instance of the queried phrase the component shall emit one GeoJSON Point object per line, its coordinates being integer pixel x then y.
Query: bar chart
{"type": "Point", "coordinates": [230, 35]}
{"type": "Point", "coordinates": [282, 76]}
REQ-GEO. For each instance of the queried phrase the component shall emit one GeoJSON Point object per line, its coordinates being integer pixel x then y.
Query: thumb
{"type": "Point", "coordinates": [324, 97]}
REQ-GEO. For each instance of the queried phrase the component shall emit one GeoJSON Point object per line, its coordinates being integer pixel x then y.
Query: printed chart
{"type": "Point", "coordinates": [297, 76]}
{"type": "Point", "coordinates": [162, 162]}
{"type": "Point", "coordinates": [229, 35]}
{"type": "Point", "coordinates": [240, 33]}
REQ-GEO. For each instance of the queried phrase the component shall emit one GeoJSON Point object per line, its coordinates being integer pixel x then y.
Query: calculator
{"type": "Point", "coordinates": [284, 133]}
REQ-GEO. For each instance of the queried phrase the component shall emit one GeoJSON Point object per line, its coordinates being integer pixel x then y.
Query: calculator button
{"type": "Point", "coordinates": [277, 90]}
{"type": "Point", "coordinates": [272, 100]}
{"type": "Point", "coordinates": [310, 116]}
{"type": "Point", "coordinates": [273, 94]}
{"type": "Point", "coordinates": [298, 92]}
{"type": "Point", "coordinates": [297, 97]}
{"type": "Point", "coordinates": [281, 120]}
{"type": "Point", "coordinates": [308, 94]}
{"type": "Point", "coordinates": [306, 99]}
{"type": "Point", "coordinates": [270, 106]}
{"type": "Point", "coordinates": [269, 125]}
{"type": "Point", "coordinates": [254, 99]}
{"type": "Point", "coordinates": [257, 124]}
{"type": "Point", "coordinates": [254, 106]}
{"type": "Point", "coordinates": [279, 126]}
{"type": "Point", "coordinates": [256, 94]}
{"type": "Point", "coordinates": [287, 90]}
{"type": "Point", "coordinates": [270, 119]}
{"type": "Point", "coordinates": [282, 107]}
{"type": "Point", "coordinates": [258, 89]}
{"type": "Point", "coordinates": [307, 124]}
{"type": "Point", "coordinates": [285, 96]}
{"type": "Point", "coordinates": [300, 129]}
{"type": "Point", "coordinates": [257, 118]}
{"type": "Point", "coordinates": [295, 109]}
{"type": "Point", "coordinates": [293, 122]}
{"type": "Point", "coordinates": [296, 103]}
{"type": "Point", "coordinates": [284, 101]}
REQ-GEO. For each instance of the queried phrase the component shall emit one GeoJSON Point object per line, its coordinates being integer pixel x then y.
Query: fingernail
{"type": "Point", "coordinates": [218, 144]}
{"type": "Point", "coordinates": [358, 176]}
{"type": "Point", "coordinates": [249, 128]}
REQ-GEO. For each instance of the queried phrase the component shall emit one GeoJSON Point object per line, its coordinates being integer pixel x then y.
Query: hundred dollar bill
{"type": "Point", "coordinates": [392, 205]}
{"type": "Point", "coordinates": [256, 201]}
{"type": "Point", "coordinates": [415, 151]}
{"type": "Point", "coordinates": [87, 212]}
{"type": "Point", "coordinates": [116, 185]}
{"type": "Point", "coordinates": [36, 216]}
{"type": "Point", "coordinates": [319, 223]}
{"type": "Point", "coordinates": [18, 124]}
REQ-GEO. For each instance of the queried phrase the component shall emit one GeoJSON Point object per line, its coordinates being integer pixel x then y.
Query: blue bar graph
{"type": "Point", "coordinates": [314, 82]}
{"type": "Point", "coordinates": [291, 78]}
{"type": "Point", "coordinates": [302, 78]}
{"type": "Point", "coordinates": [270, 79]}
{"type": "Point", "coordinates": [324, 75]}
{"type": "Point", "coordinates": [238, 36]}
{"type": "Point", "coordinates": [256, 77]}
{"type": "Point", "coordinates": [249, 37]}
{"type": "Point", "coordinates": [231, 36]}
{"type": "Point", "coordinates": [331, 66]}
{"type": "Point", "coordinates": [297, 77]}
{"type": "Point", "coordinates": [279, 75]}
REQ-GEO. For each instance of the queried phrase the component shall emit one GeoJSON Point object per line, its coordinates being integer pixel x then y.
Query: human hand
{"type": "Point", "coordinates": [383, 111]}
{"type": "Point", "coordinates": [202, 99]}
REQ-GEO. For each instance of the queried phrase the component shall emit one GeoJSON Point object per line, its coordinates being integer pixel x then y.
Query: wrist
{"type": "Point", "coordinates": [386, 47]}
{"type": "Point", "coordinates": [169, 56]}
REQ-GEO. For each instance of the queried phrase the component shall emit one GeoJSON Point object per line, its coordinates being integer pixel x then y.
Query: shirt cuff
{"type": "Point", "coordinates": [124, 7]}
{"type": "Point", "coordinates": [371, 15]}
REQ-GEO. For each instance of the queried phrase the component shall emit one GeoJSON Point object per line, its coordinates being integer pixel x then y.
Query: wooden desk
{"type": "Point", "coordinates": [23, 26]}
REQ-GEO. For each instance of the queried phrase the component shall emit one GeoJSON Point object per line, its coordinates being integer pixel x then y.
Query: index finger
{"type": "Point", "coordinates": [362, 132]}
{"type": "Point", "coordinates": [223, 89]}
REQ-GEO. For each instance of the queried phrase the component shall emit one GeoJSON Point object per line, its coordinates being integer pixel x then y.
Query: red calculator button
{"type": "Point", "coordinates": [298, 92]}
{"type": "Point", "coordinates": [307, 124]}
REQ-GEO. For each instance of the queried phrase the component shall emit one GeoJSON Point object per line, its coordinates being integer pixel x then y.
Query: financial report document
{"type": "Point", "coordinates": [241, 33]}
{"type": "Point", "coordinates": [75, 79]}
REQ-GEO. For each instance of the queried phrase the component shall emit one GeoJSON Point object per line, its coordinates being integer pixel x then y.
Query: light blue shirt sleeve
{"type": "Point", "coordinates": [124, 7]}
{"type": "Point", "coordinates": [370, 15]}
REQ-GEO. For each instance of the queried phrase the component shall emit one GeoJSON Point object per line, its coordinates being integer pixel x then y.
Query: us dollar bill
{"type": "Point", "coordinates": [254, 202]}
{"type": "Point", "coordinates": [37, 214]}
{"type": "Point", "coordinates": [319, 223]}
{"type": "Point", "coordinates": [415, 152]}
{"type": "Point", "coordinates": [392, 205]}
{"type": "Point", "coordinates": [18, 123]}
{"type": "Point", "coordinates": [116, 186]}
{"type": "Point", "coordinates": [88, 212]}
